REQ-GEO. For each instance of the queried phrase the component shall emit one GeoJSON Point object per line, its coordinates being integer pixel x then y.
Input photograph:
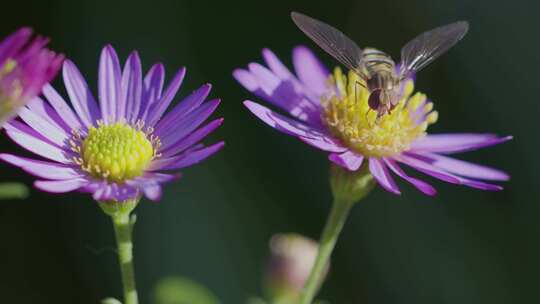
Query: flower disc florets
{"type": "Point", "coordinates": [349, 117]}
{"type": "Point", "coordinates": [116, 152]}
{"type": "Point", "coordinates": [10, 91]}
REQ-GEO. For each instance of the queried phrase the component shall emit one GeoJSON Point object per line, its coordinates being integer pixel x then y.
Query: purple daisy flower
{"type": "Point", "coordinates": [123, 146]}
{"type": "Point", "coordinates": [329, 112]}
{"type": "Point", "coordinates": [25, 66]}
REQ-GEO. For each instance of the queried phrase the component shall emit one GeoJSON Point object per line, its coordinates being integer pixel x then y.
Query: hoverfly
{"type": "Point", "coordinates": [381, 75]}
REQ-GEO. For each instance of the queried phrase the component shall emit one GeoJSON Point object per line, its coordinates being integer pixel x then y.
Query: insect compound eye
{"type": "Point", "coordinates": [374, 100]}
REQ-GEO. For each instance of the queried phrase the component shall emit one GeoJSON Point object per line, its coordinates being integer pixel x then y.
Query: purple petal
{"type": "Point", "coordinates": [419, 184]}
{"type": "Point", "coordinates": [348, 160]}
{"type": "Point", "coordinates": [60, 186]}
{"type": "Point", "coordinates": [310, 70]}
{"type": "Point", "coordinates": [116, 192]}
{"type": "Point", "coordinates": [110, 85]}
{"type": "Point", "coordinates": [193, 120]}
{"type": "Point", "coordinates": [46, 112]}
{"type": "Point", "coordinates": [266, 80]}
{"type": "Point", "coordinates": [40, 168]}
{"type": "Point", "coordinates": [466, 169]}
{"type": "Point", "coordinates": [154, 177]}
{"type": "Point", "coordinates": [419, 163]}
{"type": "Point", "coordinates": [480, 185]}
{"type": "Point", "coordinates": [61, 107]}
{"type": "Point", "coordinates": [187, 159]}
{"type": "Point", "coordinates": [150, 184]}
{"type": "Point", "coordinates": [276, 65]}
{"type": "Point", "coordinates": [248, 81]}
{"type": "Point", "coordinates": [183, 108]}
{"type": "Point", "coordinates": [282, 123]}
{"type": "Point", "coordinates": [156, 111]}
{"type": "Point", "coordinates": [192, 138]}
{"type": "Point", "coordinates": [380, 173]}
{"type": "Point", "coordinates": [452, 143]}
{"type": "Point", "coordinates": [80, 95]}
{"type": "Point", "coordinates": [286, 94]}
{"type": "Point", "coordinates": [33, 142]}
{"type": "Point", "coordinates": [324, 143]}
{"type": "Point", "coordinates": [42, 126]}
{"type": "Point", "coordinates": [153, 85]}
{"type": "Point", "coordinates": [132, 88]}
{"type": "Point", "coordinates": [428, 169]}
{"type": "Point", "coordinates": [153, 192]}
{"type": "Point", "coordinates": [279, 69]}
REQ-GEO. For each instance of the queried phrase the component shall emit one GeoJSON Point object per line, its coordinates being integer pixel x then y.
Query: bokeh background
{"type": "Point", "coordinates": [464, 246]}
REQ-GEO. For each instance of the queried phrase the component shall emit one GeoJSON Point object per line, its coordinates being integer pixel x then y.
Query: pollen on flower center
{"type": "Point", "coordinates": [116, 152]}
{"type": "Point", "coordinates": [349, 117]}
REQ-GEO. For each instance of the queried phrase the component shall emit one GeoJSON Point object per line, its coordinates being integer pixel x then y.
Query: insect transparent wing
{"type": "Point", "coordinates": [428, 46]}
{"type": "Point", "coordinates": [331, 40]}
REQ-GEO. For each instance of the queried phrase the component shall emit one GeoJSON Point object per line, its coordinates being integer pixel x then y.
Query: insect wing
{"type": "Point", "coordinates": [428, 46]}
{"type": "Point", "coordinates": [331, 40]}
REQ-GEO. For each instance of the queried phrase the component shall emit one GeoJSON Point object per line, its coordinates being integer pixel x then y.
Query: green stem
{"type": "Point", "coordinates": [122, 229]}
{"type": "Point", "coordinates": [332, 229]}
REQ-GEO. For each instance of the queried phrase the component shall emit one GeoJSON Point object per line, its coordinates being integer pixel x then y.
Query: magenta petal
{"type": "Point", "coordinates": [132, 88]}
{"type": "Point", "coordinates": [310, 70]}
{"type": "Point", "coordinates": [348, 160]}
{"type": "Point", "coordinates": [42, 126]}
{"type": "Point", "coordinates": [61, 107]}
{"type": "Point", "coordinates": [452, 143]}
{"type": "Point", "coordinates": [466, 169]}
{"type": "Point", "coordinates": [158, 108]}
{"type": "Point", "coordinates": [109, 84]}
{"type": "Point", "coordinates": [418, 184]}
{"type": "Point", "coordinates": [324, 143]}
{"type": "Point", "coordinates": [12, 44]}
{"type": "Point", "coordinates": [30, 140]}
{"type": "Point", "coordinates": [380, 173]}
{"type": "Point", "coordinates": [80, 95]}
{"type": "Point", "coordinates": [187, 159]}
{"type": "Point", "coordinates": [40, 168]}
{"type": "Point", "coordinates": [282, 123]}
{"type": "Point", "coordinates": [60, 186]}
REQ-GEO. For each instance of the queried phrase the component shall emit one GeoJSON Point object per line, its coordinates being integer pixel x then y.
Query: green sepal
{"type": "Point", "coordinates": [350, 186]}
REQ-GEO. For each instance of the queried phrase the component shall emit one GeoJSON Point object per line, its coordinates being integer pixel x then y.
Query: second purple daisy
{"type": "Point", "coordinates": [327, 111]}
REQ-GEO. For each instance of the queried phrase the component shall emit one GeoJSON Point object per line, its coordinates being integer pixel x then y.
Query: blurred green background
{"type": "Point", "coordinates": [464, 246]}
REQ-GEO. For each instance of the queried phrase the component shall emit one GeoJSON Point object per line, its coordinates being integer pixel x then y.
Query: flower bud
{"type": "Point", "coordinates": [291, 261]}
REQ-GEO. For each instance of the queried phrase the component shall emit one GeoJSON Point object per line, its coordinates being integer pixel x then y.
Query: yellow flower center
{"type": "Point", "coordinates": [8, 67]}
{"type": "Point", "coordinates": [13, 89]}
{"type": "Point", "coordinates": [349, 117]}
{"type": "Point", "coordinates": [10, 92]}
{"type": "Point", "coordinates": [115, 152]}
